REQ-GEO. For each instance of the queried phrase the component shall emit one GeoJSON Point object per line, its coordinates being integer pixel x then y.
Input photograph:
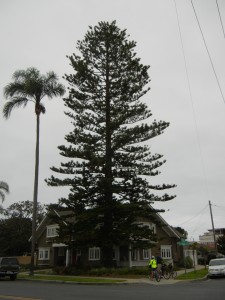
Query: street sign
{"type": "Point", "coordinates": [183, 243]}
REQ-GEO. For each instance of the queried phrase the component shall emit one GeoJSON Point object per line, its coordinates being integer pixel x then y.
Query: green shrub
{"type": "Point", "coordinates": [201, 261]}
{"type": "Point", "coordinates": [133, 271]}
{"type": "Point", "coordinates": [59, 270]}
{"type": "Point", "coordinates": [188, 263]}
{"type": "Point", "coordinates": [104, 272]}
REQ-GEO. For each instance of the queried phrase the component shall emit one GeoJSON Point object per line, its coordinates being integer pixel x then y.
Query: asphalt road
{"type": "Point", "coordinates": [211, 289]}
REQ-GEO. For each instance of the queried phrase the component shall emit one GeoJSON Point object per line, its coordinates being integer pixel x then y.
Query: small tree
{"type": "Point", "coordinates": [221, 244]}
{"type": "Point", "coordinates": [24, 209]}
{"type": "Point", "coordinates": [14, 238]}
{"type": "Point", "coordinates": [16, 229]}
{"type": "Point", "coordinates": [109, 159]}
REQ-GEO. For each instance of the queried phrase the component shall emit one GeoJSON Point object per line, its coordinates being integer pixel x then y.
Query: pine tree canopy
{"type": "Point", "coordinates": [109, 162]}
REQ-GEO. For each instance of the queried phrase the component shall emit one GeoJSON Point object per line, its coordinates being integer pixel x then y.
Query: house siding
{"type": "Point", "coordinates": [123, 254]}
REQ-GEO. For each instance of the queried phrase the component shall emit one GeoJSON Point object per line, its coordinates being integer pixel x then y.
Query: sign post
{"type": "Point", "coordinates": [183, 243]}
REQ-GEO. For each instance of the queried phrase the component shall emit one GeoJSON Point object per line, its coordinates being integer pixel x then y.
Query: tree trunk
{"type": "Point", "coordinates": [107, 249]}
{"type": "Point", "coordinates": [35, 197]}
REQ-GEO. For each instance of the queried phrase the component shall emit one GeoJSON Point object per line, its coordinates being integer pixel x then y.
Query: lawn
{"type": "Point", "coordinates": [96, 278]}
{"type": "Point", "coordinates": [70, 279]}
{"type": "Point", "coordinates": [198, 274]}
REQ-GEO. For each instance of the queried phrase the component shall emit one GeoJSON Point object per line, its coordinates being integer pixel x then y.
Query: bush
{"type": "Point", "coordinates": [105, 272]}
{"type": "Point", "coordinates": [201, 261]}
{"type": "Point", "coordinates": [59, 270]}
{"type": "Point", "coordinates": [188, 263]}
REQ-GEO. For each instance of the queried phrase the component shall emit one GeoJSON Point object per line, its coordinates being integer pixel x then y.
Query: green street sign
{"type": "Point", "coordinates": [183, 243]}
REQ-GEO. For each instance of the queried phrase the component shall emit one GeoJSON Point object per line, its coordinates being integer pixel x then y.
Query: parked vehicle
{"type": "Point", "coordinates": [9, 266]}
{"type": "Point", "coordinates": [216, 267]}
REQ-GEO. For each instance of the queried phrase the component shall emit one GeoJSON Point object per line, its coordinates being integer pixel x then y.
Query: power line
{"type": "Point", "coordinates": [220, 17]}
{"type": "Point", "coordinates": [208, 52]}
{"type": "Point", "coordinates": [220, 206]}
{"type": "Point", "coordinates": [194, 216]}
{"type": "Point", "coordinates": [191, 99]}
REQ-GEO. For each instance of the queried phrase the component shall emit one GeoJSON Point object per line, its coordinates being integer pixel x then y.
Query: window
{"type": "Point", "coordinates": [152, 227]}
{"type": "Point", "coordinates": [52, 230]}
{"type": "Point", "coordinates": [44, 253]}
{"type": "Point", "coordinates": [166, 251]}
{"type": "Point", "coordinates": [134, 254]}
{"type": "Point", "coordinates": [146, 254]}
{"type": "Point", "coordinates": [94, 253]}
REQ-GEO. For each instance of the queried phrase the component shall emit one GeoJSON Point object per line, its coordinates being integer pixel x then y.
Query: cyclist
{"type": "Point", "coordinates": [160, 264]}
{"type": "Point", "coordinates": [152, 266]}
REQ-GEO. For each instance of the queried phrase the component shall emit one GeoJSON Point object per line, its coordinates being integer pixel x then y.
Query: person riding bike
{"type": "Point", "coordinates": [160, 263]}
{"type": "Point", "coordinates": [152, 266]}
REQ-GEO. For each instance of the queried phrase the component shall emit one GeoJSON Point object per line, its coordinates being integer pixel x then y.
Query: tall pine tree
{"type": "Point", "coordinates": [109, 162]}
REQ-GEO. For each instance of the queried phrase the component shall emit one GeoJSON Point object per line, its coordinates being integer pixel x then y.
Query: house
{"type": "Point", "coordinates": [51, 252]}
{"type": "Point", "coordinates": [207, 239]}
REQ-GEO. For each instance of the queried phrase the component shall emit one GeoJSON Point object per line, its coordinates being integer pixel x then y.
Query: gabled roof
{"type": "Point", "coordinates": [171, 232]}
{"type": "Point", "coordinates": [167, 228]}
{"type": "Point", "coordinates": [47, 219]}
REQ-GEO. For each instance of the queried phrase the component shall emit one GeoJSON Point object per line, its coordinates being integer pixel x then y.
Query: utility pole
{"type": "Point", "coordinates": [214, 237]}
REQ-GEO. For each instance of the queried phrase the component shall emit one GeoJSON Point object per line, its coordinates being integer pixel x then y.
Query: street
{"type": "Point", "coordinates": [29, 290]}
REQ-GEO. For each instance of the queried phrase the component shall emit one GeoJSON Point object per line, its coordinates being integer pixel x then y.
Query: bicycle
{"type": "Point", "coordinates": [169, 272]}
{"type": "Point", "coordinates": [155, 274]}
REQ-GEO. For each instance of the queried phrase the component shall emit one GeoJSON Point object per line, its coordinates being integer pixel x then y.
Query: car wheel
{"type": "Point", "coordinates": [13, 277]}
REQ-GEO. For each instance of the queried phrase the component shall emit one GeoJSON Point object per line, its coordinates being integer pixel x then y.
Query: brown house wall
{"type": "Point", "coordinates": [43, 242]}
{"type": "Point", "coordinates": [164, 239]}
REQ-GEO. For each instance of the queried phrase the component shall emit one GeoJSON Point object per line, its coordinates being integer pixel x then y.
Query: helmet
{"type": "Point", "coordinates": [153, 256]}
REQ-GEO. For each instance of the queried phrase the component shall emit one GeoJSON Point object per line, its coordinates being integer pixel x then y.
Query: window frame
{"type": "Point", "coordinates": [135, 254]}
{"type": "Point", "coordinates": [51, 230]}
{"type": "Point", "coordinates": [94, 253]}
{"type": "Point", "coordinates": [152, 226]}
{"type": "Point", "coordinates": [41, 253]}
{"type": "Point", "coordinates": [166, 251]}
{"type": "Point", "coordinates": [146, 251]}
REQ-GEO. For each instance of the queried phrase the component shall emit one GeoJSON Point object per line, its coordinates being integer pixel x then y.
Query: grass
{"type": "Point", "coordinates": [69, 279]}
{"type": "Point", "coordinates": [198, 274]}
{"type": "Point", "coordinates": [96, 278]}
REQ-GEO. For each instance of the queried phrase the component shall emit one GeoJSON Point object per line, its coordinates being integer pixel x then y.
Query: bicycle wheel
{"type": "Point", "coordinates": [166, 274]}
{"type": "Point", "coordinates": [157, 276]}
{"type": "Point", "coordinates": [174, 274]}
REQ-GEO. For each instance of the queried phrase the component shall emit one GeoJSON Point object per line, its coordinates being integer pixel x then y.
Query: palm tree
{"type": "Point", "coordinates": [30, 86]}
{"type": "Point", "coordinates": [4, 189]}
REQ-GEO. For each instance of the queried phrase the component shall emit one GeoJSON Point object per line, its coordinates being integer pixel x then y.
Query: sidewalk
{"type": "Point", "coordinates": [143, 280]}
{"type": "Point", "coordinates": [165, 281]}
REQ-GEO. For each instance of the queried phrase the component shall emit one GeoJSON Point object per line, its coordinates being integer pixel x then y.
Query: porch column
{"type": "Point", "coordinates": [67, 257]}
{"type": "Point", "coordinates": [130, 256]}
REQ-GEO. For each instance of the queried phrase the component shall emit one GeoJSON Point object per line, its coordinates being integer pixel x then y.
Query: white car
{"type": "Point", "coordinates": [216, 267]}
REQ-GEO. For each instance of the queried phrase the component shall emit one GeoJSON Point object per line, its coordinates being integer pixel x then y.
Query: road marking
{"type": "Point", "coordinates": [17, 298]}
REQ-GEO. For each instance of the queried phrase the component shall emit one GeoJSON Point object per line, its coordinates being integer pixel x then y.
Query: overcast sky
{"type": "Point", "coordinates": [41, 33]}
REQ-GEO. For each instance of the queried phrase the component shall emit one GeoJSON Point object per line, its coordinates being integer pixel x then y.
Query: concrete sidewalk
{"type": "Point", "coordinates": [143, 280]}
{"type": "Point", "coordinates": [165, 281]}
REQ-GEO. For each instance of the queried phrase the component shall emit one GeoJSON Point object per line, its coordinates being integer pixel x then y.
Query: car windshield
{"type": "Point", "coordinates": [218, 262]}
{"type": "Point", "coordinates": [8, 261]}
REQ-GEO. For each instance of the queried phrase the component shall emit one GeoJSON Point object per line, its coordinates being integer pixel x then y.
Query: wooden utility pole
{"type": "Point", "coordinates": [214, 237]}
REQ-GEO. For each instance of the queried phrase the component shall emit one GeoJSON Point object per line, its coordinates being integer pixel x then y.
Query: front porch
{"type": "Point", "coordinates": [124, 256]}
